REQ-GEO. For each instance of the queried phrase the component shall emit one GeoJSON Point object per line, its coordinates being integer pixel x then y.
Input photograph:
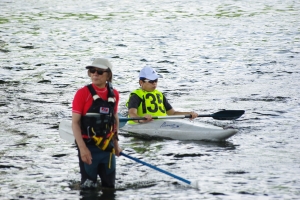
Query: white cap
{"type": "Point", "coordinates": [101, 63]}
{"type": "Point", "coordinates": [148, 73]}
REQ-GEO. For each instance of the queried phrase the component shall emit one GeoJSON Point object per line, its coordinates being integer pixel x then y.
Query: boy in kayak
{"type": "Point", "coordinates": [147, 101]}
{"type": "Point", "coordinates": [95, 124]}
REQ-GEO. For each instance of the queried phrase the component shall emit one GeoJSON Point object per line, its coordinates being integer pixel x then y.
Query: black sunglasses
{"type": "Point", "coordinates": [99, 72]}
{"type": "Point", "coordinates": [150, 81]}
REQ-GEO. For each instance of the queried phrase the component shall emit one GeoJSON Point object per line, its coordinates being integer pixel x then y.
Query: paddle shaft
{"type": "Point", "coordinates": [156, 168]}
{"type": "Point", "coordinates": [156, 117]}
{"type": "Point", "coordinates": [66, 133]}
{"type": "Point", "coordinates": [221, 115]}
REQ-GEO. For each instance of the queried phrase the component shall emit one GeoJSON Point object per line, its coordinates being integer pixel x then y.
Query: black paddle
{"type": "Point", "coordinates": [221, 115]}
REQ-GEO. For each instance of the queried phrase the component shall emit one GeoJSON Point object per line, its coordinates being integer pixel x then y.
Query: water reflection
{"type": "Point", "coordinates": [226, 145]}
{"type": "Point", "coordinates": [103, 194]}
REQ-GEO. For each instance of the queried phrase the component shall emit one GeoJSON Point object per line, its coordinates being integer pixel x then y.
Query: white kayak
{"type": "Point", "coordinates": [179, 129]}
{"type": "Point", "coordinates": [171, 127]}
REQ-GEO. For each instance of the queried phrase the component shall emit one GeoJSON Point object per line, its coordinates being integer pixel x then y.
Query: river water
{"type": "Point", "coordinates": [211, 55]}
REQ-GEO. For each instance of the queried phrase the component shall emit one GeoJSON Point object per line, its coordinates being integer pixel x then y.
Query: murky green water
{"type": "Point", "coordinates": [211, 54]}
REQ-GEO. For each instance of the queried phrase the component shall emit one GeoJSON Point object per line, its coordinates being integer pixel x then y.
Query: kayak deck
{"type": "Point", "coordinates": [180, 130]}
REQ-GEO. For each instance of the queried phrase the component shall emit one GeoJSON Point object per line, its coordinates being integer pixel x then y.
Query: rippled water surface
{"type": "Point", "coordinates": [211, 55]}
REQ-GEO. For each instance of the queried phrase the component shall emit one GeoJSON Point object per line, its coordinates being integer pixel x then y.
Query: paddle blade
{"type": "Point", "coordinates": [228, 114]}
{"type": "Point", "coordinates": [65, 131]}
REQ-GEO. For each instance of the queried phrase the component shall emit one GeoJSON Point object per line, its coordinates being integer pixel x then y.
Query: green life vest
{"type": "Point", "coordinates": [152, 103]}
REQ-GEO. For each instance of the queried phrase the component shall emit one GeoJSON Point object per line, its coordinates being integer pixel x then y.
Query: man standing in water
{"type": "Point", "coordinates": [95, 126]}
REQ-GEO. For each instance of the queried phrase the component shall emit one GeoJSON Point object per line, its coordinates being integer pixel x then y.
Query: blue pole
{"type": "Point", "coordinates": [156, 168]}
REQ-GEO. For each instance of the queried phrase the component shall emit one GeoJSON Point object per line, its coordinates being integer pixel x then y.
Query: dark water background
{"type": "Point", "coordinates": [211, 55]}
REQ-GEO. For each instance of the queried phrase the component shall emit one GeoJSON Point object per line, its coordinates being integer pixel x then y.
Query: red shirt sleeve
{"type": "Point", "coordinates": [81, 102]}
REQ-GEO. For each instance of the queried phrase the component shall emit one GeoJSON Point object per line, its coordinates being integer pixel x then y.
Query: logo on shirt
{"type": "Point", "coordinates": [104, 110]}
